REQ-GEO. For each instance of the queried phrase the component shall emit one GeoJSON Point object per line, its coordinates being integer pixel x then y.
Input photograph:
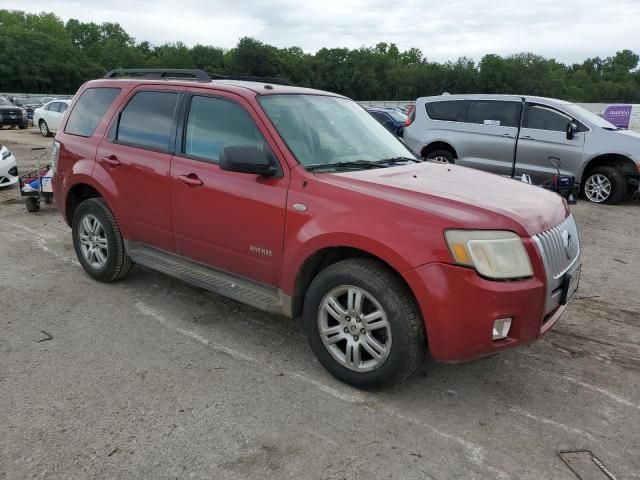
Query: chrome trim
{"type": "Point", "coordinates": [552, 249]}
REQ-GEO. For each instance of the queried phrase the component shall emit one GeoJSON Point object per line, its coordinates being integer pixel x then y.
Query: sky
{"type": "Point", "coordinates": [569, 31]}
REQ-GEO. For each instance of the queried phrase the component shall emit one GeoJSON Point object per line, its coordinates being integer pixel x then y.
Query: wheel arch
{"type": "Point", "coordinates": [83, 188]}
{"type": "Point", "coordinates": [322, 258]}
{"type": "Point", "coordinates": [616, 160]}
{"type": "Point", "coordinates": [437, 145]}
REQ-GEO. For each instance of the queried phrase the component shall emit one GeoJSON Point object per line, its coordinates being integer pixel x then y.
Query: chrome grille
{"type": "Point", "coordinates": [560, 247]}
{"type": "Point", "coordinates": [560, 250]}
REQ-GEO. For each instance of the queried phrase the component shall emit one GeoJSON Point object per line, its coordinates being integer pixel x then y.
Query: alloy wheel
{"type": "Point", "coordinates": [93, 242]}
{"type": "Point", "coordinates": [597, 188]}
{"type": "Point", "coordinates": [354, 328]}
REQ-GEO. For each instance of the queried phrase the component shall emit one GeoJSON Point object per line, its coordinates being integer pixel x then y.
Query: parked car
{"type": "Point", "coordinates": [298, 202]}
{"type": "Point", "coordinates": [511, 135]}
{"type": "Point", "coordinates": [12, 115]}
{"type": "Point", "coordinates": [8, 167]}
{"type": "Point", "coordinates": [391, 118]}
{"type": "Point", "coordinates": [29, 104]}
{"type": "Point", "coordinates": [48, 117]}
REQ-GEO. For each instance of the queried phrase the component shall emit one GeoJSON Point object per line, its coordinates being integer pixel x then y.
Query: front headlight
{"type": "Point", "coordinates": [24, 112]}
{"type": "Point", "coordinates": [495, 254]}
{"type": "Point", "coordinates": [5, 153]}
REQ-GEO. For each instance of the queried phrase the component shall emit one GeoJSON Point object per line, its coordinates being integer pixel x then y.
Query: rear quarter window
{"type": "Point", "coordinates": [449, 110]}
{"type": "Point", "coordinates": [89, 110]}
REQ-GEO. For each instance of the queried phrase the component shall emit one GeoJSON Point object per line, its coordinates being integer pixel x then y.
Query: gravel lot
{"type": "Point", "coordinates": [151, 378]}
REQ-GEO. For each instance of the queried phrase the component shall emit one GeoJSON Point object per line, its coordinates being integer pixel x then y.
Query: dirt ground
{"type": "Point", "coordinates": [152, 378]}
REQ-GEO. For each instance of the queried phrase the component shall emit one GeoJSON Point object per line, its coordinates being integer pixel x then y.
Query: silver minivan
{"type": "Point", "coordinates": [513, 135]}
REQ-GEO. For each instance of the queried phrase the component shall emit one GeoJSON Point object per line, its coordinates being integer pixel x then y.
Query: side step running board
{"type": "Point", "coordinates": [263, 297]}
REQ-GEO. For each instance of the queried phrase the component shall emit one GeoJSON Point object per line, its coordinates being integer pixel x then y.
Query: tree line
{"type": "Point", "coordinates": [39, 53]}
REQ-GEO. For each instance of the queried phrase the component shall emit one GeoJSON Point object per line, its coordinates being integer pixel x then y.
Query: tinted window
{"type": "Point", "coordinates": [543, 118]}
{"type": "Point", "coordinates": [63, 107]}
{"type": "Point", "coordinates": [381, 117]}
{"type": "Point", "coordinates": [147, 119]}
{"type": "Point", "coordinates": [48, 107]}
{"type": "Point", "coordinates": [452, 111]}
{"type": "Point", "coordinates": [54, 107]}
{"type": "Point", "coordinates": [505, 114]}
{"type": "Point", "coordinates": [214, 124]}
{"type": "Point", "coordinates": [89, 109]}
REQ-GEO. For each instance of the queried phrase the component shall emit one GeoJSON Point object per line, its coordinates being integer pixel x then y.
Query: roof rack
{"type": "Point", "coordinates": [189, 74]}
{"type": "Point", "coordinates": [274, 80]}
{"type": "Point", "coordinates": [182, 73]}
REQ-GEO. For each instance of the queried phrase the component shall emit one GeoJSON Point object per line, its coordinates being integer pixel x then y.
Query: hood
{"type": "Point", "coordinates": [470, 198]}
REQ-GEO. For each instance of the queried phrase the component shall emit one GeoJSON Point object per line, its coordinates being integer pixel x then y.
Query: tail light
{"type": "Point", "coordinates": [55, 154]}
{"type": "Point", "coordinates": [411, 115]}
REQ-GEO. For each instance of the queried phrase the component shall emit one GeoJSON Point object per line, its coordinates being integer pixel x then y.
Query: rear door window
{"type": "Point", "coordinates": [89, 110]}
{"type": "Point", "coordinates": [540, 117]}
{"type": "Point", "coordinates": [214, 123]}
{"type": "Point", "coordinates": [147, 119]}
{"type": "Point", "coordinates": [449, 110]}
{"type": "Point", "coordinates": [496, 113]}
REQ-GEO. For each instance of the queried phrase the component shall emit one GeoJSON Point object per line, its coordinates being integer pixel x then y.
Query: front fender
{"type": "Point", "coordinates": [345, 229]}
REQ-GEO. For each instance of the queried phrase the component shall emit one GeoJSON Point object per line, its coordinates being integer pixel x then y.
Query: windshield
{"type": "Point", "coordinates": [323, 130]}
{"type": "Point", "coordinates": [584, 114]}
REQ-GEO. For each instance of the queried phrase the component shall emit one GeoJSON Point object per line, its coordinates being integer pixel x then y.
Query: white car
{"type": "Point", "coordinates": [48, 117]}
{"type": "Point", "coordinates": [8, 167]}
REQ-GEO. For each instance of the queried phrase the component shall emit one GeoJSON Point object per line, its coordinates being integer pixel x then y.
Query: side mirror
{"type": "Point", "coordinates": [246, 159]}
{"type": "Point", "coordinates": [571, 129]}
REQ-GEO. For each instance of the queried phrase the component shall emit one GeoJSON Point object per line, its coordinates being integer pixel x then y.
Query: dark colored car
{"type": "Point", "coordinates": [12, 115]}
{"type": "Point", "coordinates": [29, 104]}
{"type": "Point", "coordinates": [391, 118]}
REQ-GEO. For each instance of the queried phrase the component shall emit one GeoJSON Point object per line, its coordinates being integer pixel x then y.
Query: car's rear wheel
{"type": "Point", "coordinates": [44, 128]}
{"type": "Point", "coordinates": [98, 242]}
{"type": "Point", "coordinates": [363, 324]}
{"type": "Point", "coordinates": [605, 185]}
{"type": "Point", "coordinates": [441, 156]}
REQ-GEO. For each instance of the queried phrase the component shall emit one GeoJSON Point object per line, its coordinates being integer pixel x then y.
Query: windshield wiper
{"type": "Point", "coordinates": [612, 129]}
{"type": "Point", "coordinates": [355, 164]}
{"type": "Point", "coordinates": [395, 160]}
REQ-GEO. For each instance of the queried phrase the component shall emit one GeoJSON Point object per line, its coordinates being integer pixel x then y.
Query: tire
{"type": "Point", "coordinates": [44, 128]}
{"type": "Point", "coordinates": [101, 252]}
{"type": "Point", "coordinates": [605, 185]}
{"type": "Point", "coordinates": [441, 156]}
{"type": "Point", "coordinates": [402, 339]}
{"type": "Point", "coordinates": [32, 204]}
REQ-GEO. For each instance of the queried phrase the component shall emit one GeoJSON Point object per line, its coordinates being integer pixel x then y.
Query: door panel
{"type": "Point", "coordinates": [141, 171]}
{"type": "Point", "coordinates": [233, 221]}
{"type": "Point", "coordinates": [489, 138]}
{"type": "Point", "coordinates": [227, 220]}
{"type": "Point", "coordinates": [487, 147]}
{"type": "Point", "coordinates": [542, 136]}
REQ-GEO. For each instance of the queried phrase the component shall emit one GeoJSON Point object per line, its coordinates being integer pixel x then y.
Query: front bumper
{"type": "Point", "coordinates": [459, 308]}
{"type": "Point", "coordinates": [8, 171]}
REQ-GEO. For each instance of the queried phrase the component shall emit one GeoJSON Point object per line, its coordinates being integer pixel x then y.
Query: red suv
{"type": "Point", "coordinates": [299, 202]}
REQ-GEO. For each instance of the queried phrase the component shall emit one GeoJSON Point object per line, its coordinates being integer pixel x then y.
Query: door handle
{"type": "Point", "coordinates": [527, 137]}
{"type": "Point", "coordinates": [111, 160]}
{"type": "Point", "coordinates": [508, 135]}
{"type": "Point", "coordinates": [192, 180]}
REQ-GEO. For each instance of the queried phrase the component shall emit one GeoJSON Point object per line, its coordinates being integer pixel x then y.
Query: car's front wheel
{"type": "Point", "coordinates": [98, 242]}
{"type": "Point", "coordinates": [605, 185]}
{"type": "Point", "coordinates": [363, 324]}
